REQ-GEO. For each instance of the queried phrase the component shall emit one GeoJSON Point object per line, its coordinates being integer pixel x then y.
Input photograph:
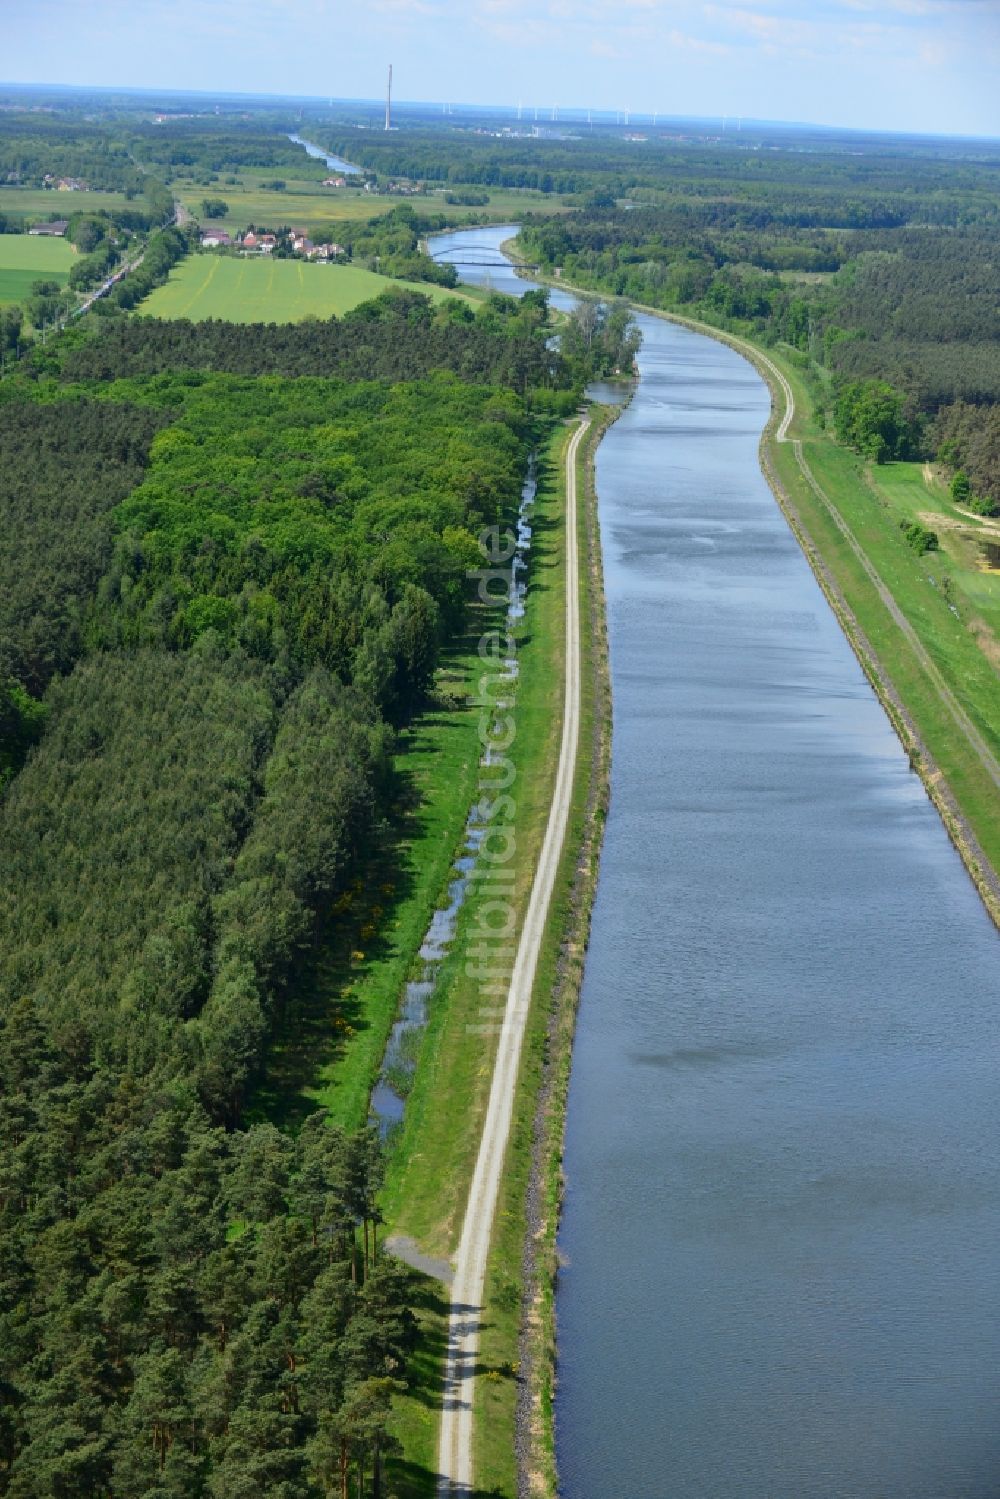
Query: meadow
{"type": "Point", "coordinates": [307, 205]}
{"type": "Point", "coordinates": [304, 203]}
{"type": "Point", "coordinates": [42, 203]}
{"type": "Point", "coordinates": [26, 258]}
{"type": "Point", "coordinates": [264, 290]}
{"type": "Point", "coordinates": [915, 492]}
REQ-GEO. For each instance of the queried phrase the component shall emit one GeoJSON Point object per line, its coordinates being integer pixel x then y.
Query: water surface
{"type": "Point", "coordinates": [783, 1216]}
{"type": "Point", "coordinates": [335, 163]}
{"type": "Point", "coordinates": [782, 1223]}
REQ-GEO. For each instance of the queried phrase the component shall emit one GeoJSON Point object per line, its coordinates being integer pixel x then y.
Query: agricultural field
{"type": "Point", "coordinates": [264, 290]}
{"type": "Point", "coordinates": [42, 203]}
{"type": "Point", "coordinates": [25, 258]}
{"type": "Point", "coordinates": [305, 204]}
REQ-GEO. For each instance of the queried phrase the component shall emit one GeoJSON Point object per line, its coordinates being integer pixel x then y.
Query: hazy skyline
{"type": "Point", "coordinates": [909, 65]}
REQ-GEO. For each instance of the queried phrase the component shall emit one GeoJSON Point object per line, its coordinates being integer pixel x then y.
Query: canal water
{"type": "Point", "coordinates": [782, 1223]}
{"type": "Point", "coordinates": [335, 163]}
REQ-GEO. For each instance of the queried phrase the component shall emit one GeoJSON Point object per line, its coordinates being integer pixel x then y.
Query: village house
{"type": "Point", "coordinates": [213, 237]}
{"type": "Point", "coordinates": [258, 244]}
{"type": "Point", "coordinates": [325, 252]}
{"type": "Point", "coordinates": [57, 227]}
{"type": "Point", "coordinates": [334, 181]}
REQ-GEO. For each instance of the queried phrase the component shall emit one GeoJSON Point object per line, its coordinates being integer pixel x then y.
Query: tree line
{"type": "Point", "coordinates": [400, 335]}
{"type": "Point", "coordinates": [901, 316]}
{"type": "Point", "coordinates": [35, 146]}
{"type": "Point", "coordinates": [226, 591]}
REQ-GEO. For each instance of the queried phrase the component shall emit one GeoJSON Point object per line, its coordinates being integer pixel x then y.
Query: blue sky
{"type": "Point", "coordinates": [895, 64]}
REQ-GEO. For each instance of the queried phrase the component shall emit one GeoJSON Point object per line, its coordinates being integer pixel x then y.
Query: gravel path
{"type": "Point", "coordinates": [455, 1454]}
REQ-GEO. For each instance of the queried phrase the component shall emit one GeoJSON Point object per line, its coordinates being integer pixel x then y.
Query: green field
{"type": "Point", "coordinates": [306, 205]}
{"type": "Point", "coordinates": [264, 290]}
{"type": "Point", "coordinates": [25, 258]}
{"type": "Point", "coordinates": [303, 205]}
{"type": "Point", "coordinates": [43, 203]}
{"type": "Point", "coordinates": [913, 492]}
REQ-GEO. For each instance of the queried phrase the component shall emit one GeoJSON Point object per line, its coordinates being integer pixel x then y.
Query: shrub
{"type": "Point", "coordinates": [919, 537]}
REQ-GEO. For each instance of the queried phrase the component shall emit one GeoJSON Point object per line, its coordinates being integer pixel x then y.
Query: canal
{"type": "Point", "coordinates": [782, 1217]}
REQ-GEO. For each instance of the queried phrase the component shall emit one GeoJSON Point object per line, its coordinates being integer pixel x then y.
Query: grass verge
{"type": "Point", "coordinates": [330, 1046]}
{"type": "Point", "coordinates": [955, 778]}
{"type": "Point", "coordinates": [560, 977]}
{"type": "Point", "coordinates": [430, 1173]}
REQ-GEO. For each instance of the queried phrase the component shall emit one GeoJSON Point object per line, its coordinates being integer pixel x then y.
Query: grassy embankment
{"type": "Point", "coordinates": [916, 491]}
{"type": "Point", "coordinates": [26, 258]}
{"type": "Point", "coordinates": [264, 290]}
{"type": "Point", "coordinates": [934, 595]}
{"type": "Point", "coordinates": [432, 1167]}
{"type": "Point", "coordinates": [523, 1331]}
{"type": "Point", "coordinates": [430, 1173]}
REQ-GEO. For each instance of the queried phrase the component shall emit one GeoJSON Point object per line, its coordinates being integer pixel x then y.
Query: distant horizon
{"type": "Point", "coordinates": [910, 67]}
{"type": "Point", "coordinates": [570, 114]}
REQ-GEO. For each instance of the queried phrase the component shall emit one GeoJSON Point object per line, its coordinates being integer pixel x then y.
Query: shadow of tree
{"type": "Point", "coordinates": [323, 1007]}
{"type": "Point", "coordinates": [408, 1480]}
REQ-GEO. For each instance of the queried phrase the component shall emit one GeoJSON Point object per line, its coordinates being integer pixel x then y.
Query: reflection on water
{"type": "Point", "coordinates": [783, 1208]}
{"type": "Point", "coordinates": [479, 260]}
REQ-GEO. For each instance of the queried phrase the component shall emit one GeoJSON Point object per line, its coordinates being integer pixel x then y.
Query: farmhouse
{"type": "Point", "coordinates": [262, 244]}
{"type": "Point", "coordinates": [334, 181]}
{"type": "Point", "coordinates": [57, 227]}
{"type": "Point", "coordinates": [213, 237]}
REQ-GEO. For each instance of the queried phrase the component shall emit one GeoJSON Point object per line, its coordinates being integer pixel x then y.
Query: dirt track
{"type": "Point", "coordinates": [455, 1449]}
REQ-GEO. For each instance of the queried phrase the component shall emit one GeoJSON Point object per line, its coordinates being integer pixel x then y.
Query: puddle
{"type": "Point", "coordinates": [388, 1100]}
